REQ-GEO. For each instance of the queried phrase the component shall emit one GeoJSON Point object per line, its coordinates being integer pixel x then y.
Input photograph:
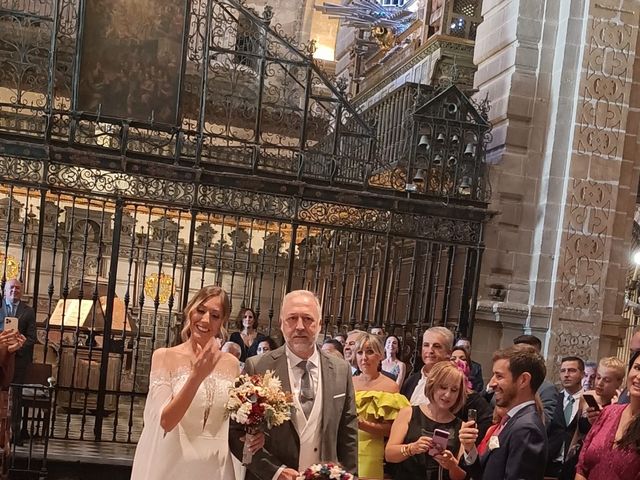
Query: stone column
{"type": "Point", "coordinates": [565, 174]}
{"type": "Point", "coordinates": [600, 187]}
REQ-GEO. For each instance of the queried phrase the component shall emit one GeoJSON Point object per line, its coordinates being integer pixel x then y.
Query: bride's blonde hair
{"type": "Point", "coordinates": [204, 294]}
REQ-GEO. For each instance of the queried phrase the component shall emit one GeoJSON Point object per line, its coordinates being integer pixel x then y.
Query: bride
{"type": "Point", "coordinates": [186, 431]}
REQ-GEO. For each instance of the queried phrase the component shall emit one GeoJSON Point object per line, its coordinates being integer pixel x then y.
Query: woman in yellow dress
{"type": "Point", "coordinates": [377, 401]}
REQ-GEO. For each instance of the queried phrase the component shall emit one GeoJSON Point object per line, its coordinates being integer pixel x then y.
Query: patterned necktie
{"type": "Point", "coordinates": [10, 310]}
{"type": "Point", "coordinates": [568, 411]}
{"type": "Point", "coordinates": [306, 389]}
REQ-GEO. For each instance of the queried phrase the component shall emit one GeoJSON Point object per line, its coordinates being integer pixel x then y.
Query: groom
{"type": "Point", "coordinates": [323, 425]}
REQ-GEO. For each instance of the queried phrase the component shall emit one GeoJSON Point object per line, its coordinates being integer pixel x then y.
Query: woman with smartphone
{"type": "Point", "coordinates": [611, 450]}
{"type": "Point", "coordinates": [424, 438]}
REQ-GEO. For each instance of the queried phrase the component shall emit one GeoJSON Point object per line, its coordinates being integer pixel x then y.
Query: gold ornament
{"type": "Point", "coordinates": [9, 266]}
{"type": "Point", "coordinates": [162, 285]}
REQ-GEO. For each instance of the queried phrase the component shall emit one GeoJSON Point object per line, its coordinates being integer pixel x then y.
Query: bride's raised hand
{"type": "Point", "coordinates": [206, 360]}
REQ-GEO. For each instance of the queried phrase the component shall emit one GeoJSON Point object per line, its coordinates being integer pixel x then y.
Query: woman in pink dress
{"type": "Point", "coordinates": [611, 450]}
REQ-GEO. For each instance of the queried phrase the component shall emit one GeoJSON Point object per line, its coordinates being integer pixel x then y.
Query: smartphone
{"type": "Point", "coordinates": [440, 439]}
{"type": "Point", "coordinates": [591, 401]}
{"type": "Point", "coordinates": [10, 323]}
{"type": "Point", "coordinates": [472, 416]}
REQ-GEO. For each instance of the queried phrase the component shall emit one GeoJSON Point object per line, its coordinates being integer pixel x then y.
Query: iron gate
{"type": "Point", "coordinates": [117, 275]}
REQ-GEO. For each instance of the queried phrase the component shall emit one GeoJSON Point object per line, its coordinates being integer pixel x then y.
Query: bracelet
{"type": "Point", "coordinates": [406, 451]}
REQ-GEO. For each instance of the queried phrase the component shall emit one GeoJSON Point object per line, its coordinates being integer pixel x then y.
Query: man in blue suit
{"type": "Point", "coordinates": [518, 447]}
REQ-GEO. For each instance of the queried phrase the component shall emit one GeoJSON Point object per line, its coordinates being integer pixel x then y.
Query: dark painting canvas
{"type": "Point", "coordinates": [131, 59]}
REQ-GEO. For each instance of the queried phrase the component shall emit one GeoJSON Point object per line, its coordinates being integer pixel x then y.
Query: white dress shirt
{"type": "Point", "coordinates": [295, 372]}
{"type": "Point", "coordinates": [418, 397]}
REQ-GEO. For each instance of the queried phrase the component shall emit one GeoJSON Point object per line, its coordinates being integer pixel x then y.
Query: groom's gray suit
{"type": "Point", "coordinates": [339, 420]}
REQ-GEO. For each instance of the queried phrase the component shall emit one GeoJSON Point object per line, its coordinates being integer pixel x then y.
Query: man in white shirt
{"type": "Point", "coordinates": [324, 425]}
{"type": "Point", "coordinates": [437, 344]}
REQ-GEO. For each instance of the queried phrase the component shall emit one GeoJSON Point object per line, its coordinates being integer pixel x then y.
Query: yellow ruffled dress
{"type": "Point", "coordinates": [375, 406]}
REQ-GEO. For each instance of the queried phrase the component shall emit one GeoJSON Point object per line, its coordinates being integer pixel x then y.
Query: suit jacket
{"type": "Point", "coordinates": [549, 397]}
{"type": "Point", "coordinates": [410, 384]}
{"type": "Point", "coordinates": [27, 327]}
{"type": "Point", "coordinates": [558, 431]}
{"type": "Point", "coordinates": [522, 454]}
{"type": "Point", "coordinates": [624, 397]}
{"type": "Point", "coordinates": [475, 376]}
{"type": "Point", "coordinates": [339, 419]}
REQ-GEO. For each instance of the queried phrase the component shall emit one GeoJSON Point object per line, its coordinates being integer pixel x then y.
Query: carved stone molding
{"type": "Point", "coordinates": [589, 219]}
{"type": "Point", "coordinates": [605, 91]}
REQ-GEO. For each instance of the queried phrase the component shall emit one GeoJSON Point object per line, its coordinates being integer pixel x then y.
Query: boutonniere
{"type": "Point", "coordinates": [494, 442]}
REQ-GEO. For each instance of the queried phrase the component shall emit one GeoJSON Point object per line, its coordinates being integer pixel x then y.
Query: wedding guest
{"type": "Point", "coordinates": [10, 342]}
{"type": "Point", "coordinates": [13, 306]}
{"type": "Point", "coordinates": [348, 351]}
{"type": "Point", "coordinates": [185, 425]}
{"type": "Point", "coordinates": [609, 377]}
{"type": "Point", "coordinates": [233, 348]}
{"type": "Point", "coordinates": [392, 364]}
{"type": "Point", "coordinates": [565, 418]}
{"type": "Point", "coordinates": [477, 382]}
{"type": "Point", "coordinates": [634, 346]}
{"type": "Point", "coordinates": [410, 443]}
{"type": "Point", "coordinates": [333, 346]}
{"type": "Point", "coordinates": [588, 381]}
{"type": "Point", "coordinates": [475, 401]}
{"type": "Point", "coordinates": [342, 338]}
{"type": "Point", "coordinates": [377, 402]}
{"type": "Point", "coordinates": [266, 345]}
{"type": "Point", "coordinates": [324, 424]}
{"type": "Point", "coordinates": [611, 450]}
{"type": "Point", "coordinates": [437, 343]}
{"type": "Point", "coordinates": [248, 337]}
{"type": "Point", "coordinates": [379, 331]}
{"type": "Point", "coordinates": [518, 449]}
{"type": "Point", "coordinates": [548, 393]}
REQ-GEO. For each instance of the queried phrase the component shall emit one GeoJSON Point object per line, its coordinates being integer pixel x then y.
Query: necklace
{"type": "Point", "coordinates": [209, 394]}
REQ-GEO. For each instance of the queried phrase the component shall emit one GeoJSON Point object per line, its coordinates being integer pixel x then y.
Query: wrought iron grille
{"type": "Point", "coordinates": [251, 98]}
{"type": "Point", "coordinates": [85, 260]}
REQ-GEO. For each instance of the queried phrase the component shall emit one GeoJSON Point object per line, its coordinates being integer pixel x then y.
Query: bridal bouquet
{"type": "Point", "coordinates": [325, 471]}
{"type": "Point", "coordinates": [258, 402]}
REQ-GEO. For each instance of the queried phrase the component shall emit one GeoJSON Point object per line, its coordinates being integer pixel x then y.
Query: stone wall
{"type": "Point", "coordinates": [559, 76]}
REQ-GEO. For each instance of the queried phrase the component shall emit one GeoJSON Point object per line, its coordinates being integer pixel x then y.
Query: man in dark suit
{"type": "Point", "coordinates": [12, 306]}
{"type": "Point", "coordinates": [547, 392]}
{"type": "Point", "coordinates": [324, 425]}
{"type": "Point", "coordinates": [518, 448]}
{"type": "Point", "coordinates": [565, 418]}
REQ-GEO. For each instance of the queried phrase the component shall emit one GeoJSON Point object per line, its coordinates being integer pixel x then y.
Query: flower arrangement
{"type": "Point", "coordinates": [258, 402]}
{"type": "Point", "coordinates": [325, 471]}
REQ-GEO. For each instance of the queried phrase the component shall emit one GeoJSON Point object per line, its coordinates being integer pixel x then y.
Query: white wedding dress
{"type": "Point", "coordinates": [193, 450]}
